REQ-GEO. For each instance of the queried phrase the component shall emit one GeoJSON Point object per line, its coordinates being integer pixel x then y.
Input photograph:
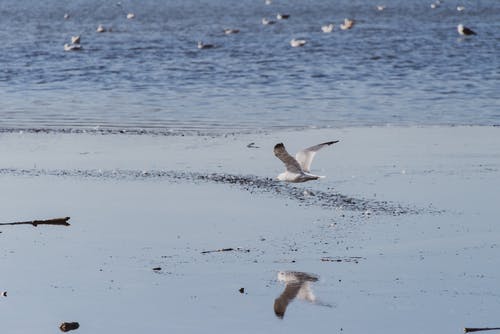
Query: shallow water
{"type": "Point", "coordinates": [404, 65]}
{"type": "Point", "coordinates": [393, 271]}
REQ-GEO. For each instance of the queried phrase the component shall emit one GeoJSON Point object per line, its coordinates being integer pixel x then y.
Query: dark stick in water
{"type": "Point", "coordinates": [469, 330]}
{"type": "Point", "coordinates": [54, 221]}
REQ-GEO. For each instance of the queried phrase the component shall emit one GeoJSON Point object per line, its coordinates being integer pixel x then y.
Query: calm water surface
{"type": "Point", "coordinates": [405, 65]}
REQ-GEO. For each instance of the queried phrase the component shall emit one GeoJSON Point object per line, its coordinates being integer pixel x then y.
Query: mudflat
{"type": "Point", "coordinates": [401, 236]}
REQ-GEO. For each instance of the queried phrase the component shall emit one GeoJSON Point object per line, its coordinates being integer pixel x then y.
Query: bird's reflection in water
{"type": "Point", "coordinates": [298, 285]}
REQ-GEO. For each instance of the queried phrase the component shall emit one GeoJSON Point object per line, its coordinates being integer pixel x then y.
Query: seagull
{"type": "Point", "coordinates": [434, 5]}
{"type": "Point", "coordinates": [266, 21]}
{"type": "Point", "coordinates": [101, 28]}
{"type": "Point", "coordinates": [298, 168]}
{"type": "Point", "coordinates": [297, 285]}
{"type": "Point", "coordinates": [72, 47]}
{"type": "Point", "coordinates": [462, 30]}
{"type": "Point", "coordinates": [380, 8]}
{"type": "Point", "coordinates": [228, 31]}
{"type": "Point", "coordinates": [297, 42]}
{"type": "Point", "coordinates": [460, 8]}
{"type": "Point", "coordinates": [348, 24]}
{"type": "Point", "coordinates": [282, 16]}
{"type": "Point", "coordinates": [75, 39]}
{"type": "Point", "coordinates": [201, 45]}
{"type": "Point", "coordinates": [130, 16]}
{"type": "Point", "coordinates": [327, 28]}
{"type": "Point", "coordinates": [66, 16]}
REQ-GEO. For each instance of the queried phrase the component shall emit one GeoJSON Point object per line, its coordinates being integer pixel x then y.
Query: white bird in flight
{"type": "Point", "coordinates": [298, 168]}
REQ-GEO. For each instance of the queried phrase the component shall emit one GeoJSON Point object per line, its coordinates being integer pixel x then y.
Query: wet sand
{"type": "Point", "coordinates": [416, 252]}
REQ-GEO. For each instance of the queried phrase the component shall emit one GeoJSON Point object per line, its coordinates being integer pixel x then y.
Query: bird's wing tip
{"type": "Point", "coordinates": [279, 145]}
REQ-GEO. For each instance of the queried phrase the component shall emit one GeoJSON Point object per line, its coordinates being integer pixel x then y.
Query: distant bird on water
{"type": "Point", "coordinates": [202, 45]}
{"type": "Point", "coordinates": [462, 30]}
{"type": "Point", "coordinates": [380, 8]}
{"type": "Point", "coordinates": [327, 28]}
{"type": "Point", "coordinates": [298, 169]}
{"type": "Point", "coordinates": [130, 16]}
{"type": "Point", "coordinates": [75, 44]}
{"type": "Point", "coordinates": [266, 21]}
{"type": "Point", "coordinates": [231, 31]}
{"type": "Point", "coordinates": [348, 24]}
{"type": "Point", "coordinates": [282, 16]}
{"type": "Point", "coordinates": [66, 16]}
{"type": "Point", "coordinates": [295, 43]}
{"type": "Point", "coordinates": [101, 28]}
{"type": "Point", "coordinates": [460, 8]}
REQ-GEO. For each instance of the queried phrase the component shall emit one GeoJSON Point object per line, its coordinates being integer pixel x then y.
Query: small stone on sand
{"type": "Point", "coordinates": [69, 326]}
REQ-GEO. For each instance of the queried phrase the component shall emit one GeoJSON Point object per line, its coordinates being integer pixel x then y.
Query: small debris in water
{"type": "Point", "coordinates": [252, 145]}
{"type": "Point", "coordinates": [69, 326]}
{"type": "Point", "coordinates": [226, 250]}
{"type": "Point", "coordinates": [354, 259]}
{"type": "Point", "coordinates": [157, 268]}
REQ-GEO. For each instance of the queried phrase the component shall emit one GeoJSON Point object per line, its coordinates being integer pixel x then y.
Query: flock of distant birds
{"type": "Point", "coordinates": [328, 28]}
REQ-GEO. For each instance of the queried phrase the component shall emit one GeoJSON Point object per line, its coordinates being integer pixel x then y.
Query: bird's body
{"type": "Point", "coordinates": [101, 28]}
{"type": "Point", "coordinates": [298, 169]}
{"type": "Point", "coordinates": [72, 47]}
{"type": "Point", "coordinates": [297, 42]}
{"type": "Point", "coordinates": [462, 30]}
{"type": "Point", "coordinates": [266, 21]}
{"type": "Point", "coordinates": [202, 45]}
{"type": "Point", "coordinates": [282, 16]}
{"type": "Point", "coordinates": [380, 8]}
{"type": "Point", "coordinates": [75, 39]}
{"type": "Point", "coordinates": [460, 8]}
{"type": "Point", "coordinates": [327, 28]}
{"type": "Point", "coordinates": [228, 31]}
{"type": "Point", "coordinates": [348, 24]}
{"type": "Point", "coordinates": [130, 16]}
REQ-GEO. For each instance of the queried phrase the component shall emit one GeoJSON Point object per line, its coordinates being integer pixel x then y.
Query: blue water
{"type": "Point", "coordinates": [406, 65]}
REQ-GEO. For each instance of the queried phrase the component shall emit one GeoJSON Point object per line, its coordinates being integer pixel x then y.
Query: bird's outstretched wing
{"type": "Point", "coordinates": [290, 163]}
{"type": "Point", "coordinates": [305, 157]}
{"type": "Point", "coordinates": [281, 303]}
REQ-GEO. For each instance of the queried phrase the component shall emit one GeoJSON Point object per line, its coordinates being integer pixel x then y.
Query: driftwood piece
{"type": "Point", "coordinates": [54, 221]}
{"type": "Point", "coordinates": [226, 250]}
{"type": "Point", "coordinates": [470, 330]}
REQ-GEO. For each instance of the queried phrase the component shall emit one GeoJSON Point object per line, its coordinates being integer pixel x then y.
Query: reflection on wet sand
{"type": "Point", "coordinates": [298, 285]}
